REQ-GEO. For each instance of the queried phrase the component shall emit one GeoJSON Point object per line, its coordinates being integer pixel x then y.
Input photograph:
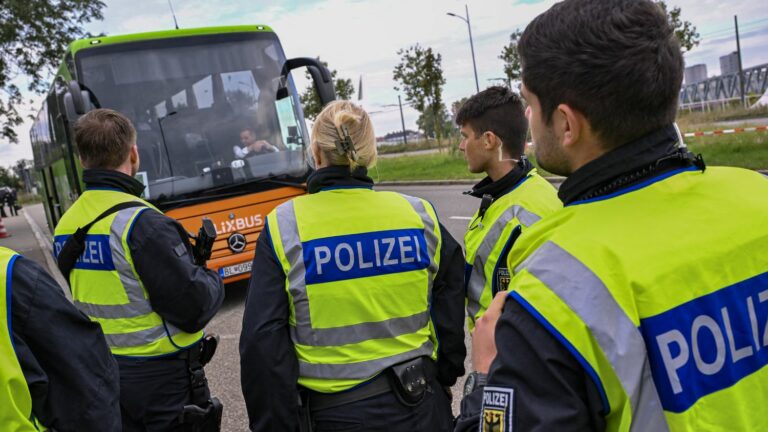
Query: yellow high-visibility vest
{"type": "Point", "coordinates": [105, 285]}
{"type": "Point", "coordinates": [359, 269]}
{"type": "Point", "coordinates": [489, 235]}
{"type": "Point", "coordinates": [15, 400]}
{"type": "Point", "coordinates": [660, 291]}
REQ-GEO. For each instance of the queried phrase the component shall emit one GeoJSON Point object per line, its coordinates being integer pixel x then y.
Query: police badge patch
{"type": "Point", "coordinates": [498, 404]}
{"type": "Point", "coordinates": [502, 279]}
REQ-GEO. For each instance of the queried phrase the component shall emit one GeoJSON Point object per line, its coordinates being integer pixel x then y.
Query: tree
{"type": "Point", "coordinates": [420, 76]}
{"type": "Point", "coordinates": [310, 101]}
{"type": "Point", "coordinates": [34, 35]}
{"type": "Point", "coordinates": [512, 67]}
{"type": "Point", "coordinates": [685, 31]}
{"type": "Point", "coordinates": [432, 125]}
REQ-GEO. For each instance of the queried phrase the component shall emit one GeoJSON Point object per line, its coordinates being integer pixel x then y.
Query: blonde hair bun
{"type": "Point", "coordinates": [328, 130]}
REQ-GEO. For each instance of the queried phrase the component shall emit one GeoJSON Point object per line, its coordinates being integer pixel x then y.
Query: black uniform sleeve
{"type": "Point", "coordinates": [448, 310]}
{"type": "Point", "coordinates": [269, 370]}
{"type": "Point", "coordinates": [181, 292]}
{"type": "Point", "coordinates": [551, 389]}
{"type": "Point", "coordinates": [72, 376]}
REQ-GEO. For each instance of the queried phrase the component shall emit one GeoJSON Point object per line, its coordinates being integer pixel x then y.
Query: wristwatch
{"type": "Point", "coordinates": [474, 380]}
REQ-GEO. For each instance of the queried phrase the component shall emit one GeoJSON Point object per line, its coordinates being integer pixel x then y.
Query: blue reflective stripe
{"type": "Point", "coordinates": [104, 188]}
{"type": "Point", "coordinates": [709, 343]}
{"type": "Point", "coordinates": [96, 256]}
{"type": "Point", "coordinates": [133, 222]}
{"type": "Point", "coordinates": [330, 188]}
{"type": "Point", "coordinates": [633, 188]}
{"type": "Point", "coordinates": [467, 274]}
{"type": "Point", "coordinates": [576, 354]}
{"type": "Point", "coordinates": [362, 255]}
{"type": "Point", "coordinates": [9, 298]}
{"type": "Point", "coordinates": [525, 179]}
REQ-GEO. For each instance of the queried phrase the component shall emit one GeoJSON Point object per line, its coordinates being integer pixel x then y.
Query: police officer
{"type": "Point", "coordinates": [640, 304]}
{"type": "Point", "coordinates": [355, 305]}
{"type": "Point", "coordinates": [512, 196]}
{"type": "Point", "coordinates": [137, 278]}
{"type": "Point", "coordinates": [55, 368]}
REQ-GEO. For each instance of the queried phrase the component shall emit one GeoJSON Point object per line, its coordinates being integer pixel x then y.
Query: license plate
{"type": "Point", "coordinates": [235, 269]}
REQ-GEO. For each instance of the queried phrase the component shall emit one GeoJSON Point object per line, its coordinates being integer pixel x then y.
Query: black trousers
{"type": "Point", "coordinates": [153, 393]}
{"type": "Point", "coordinates": [385, 413]}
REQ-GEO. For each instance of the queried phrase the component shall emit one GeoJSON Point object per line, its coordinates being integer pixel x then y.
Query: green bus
{"type": "Point", "coordinates": [190, 93]}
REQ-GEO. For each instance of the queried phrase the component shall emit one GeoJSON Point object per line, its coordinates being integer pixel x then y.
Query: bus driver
{"type": "Point", "coordinates": [250, 145]}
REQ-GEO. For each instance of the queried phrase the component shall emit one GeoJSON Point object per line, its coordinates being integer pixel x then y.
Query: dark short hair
{"type": "Point", "coordinates": [618, 62]}
{"type": "Point", "coordinates": [104, 138]}
{"type": "Point", "coordinates": [499, 110]}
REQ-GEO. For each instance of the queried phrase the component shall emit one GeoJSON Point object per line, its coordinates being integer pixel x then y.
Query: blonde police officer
{"type": "Point", "coordinates": [355, 306]}
{"type": "Point", "coordinates": [640, 305]}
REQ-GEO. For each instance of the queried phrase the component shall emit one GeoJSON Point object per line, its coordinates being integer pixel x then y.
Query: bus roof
{"type": "Point", "coordinates": [164, 34]}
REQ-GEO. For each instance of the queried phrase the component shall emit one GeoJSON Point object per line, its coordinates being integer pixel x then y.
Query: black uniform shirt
{"type": "Point", "coordinates": [269, 368]}
{"type": "Point", "coordinates": [72, 376]}
{"type": "Point", "coordinates": [551, 391]}
{"type": "Point", "coordinates": [181, 292]}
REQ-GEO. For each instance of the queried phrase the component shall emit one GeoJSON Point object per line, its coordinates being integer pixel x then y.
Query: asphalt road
{"type": "Point", "coordinates": [454, 210]}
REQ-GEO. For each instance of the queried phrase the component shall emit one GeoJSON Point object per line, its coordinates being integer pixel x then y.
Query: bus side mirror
{"type": "Point", "coordinates": [76, 101]}
{"type": "Point", "coordinates": [320, 76]}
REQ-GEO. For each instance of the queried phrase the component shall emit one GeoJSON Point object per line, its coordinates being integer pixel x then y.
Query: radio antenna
{"type": "Point", "coordinates": [176, 23]}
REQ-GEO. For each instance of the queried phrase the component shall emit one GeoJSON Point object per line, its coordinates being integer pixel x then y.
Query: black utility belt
{"type": "Point", "coordinates": [410, 381]}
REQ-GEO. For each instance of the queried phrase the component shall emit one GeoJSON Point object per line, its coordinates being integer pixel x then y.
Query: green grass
{"type": "Point", "coordinates": [747, 150]}
{"type": "Point", "coordinates": [441, 166]}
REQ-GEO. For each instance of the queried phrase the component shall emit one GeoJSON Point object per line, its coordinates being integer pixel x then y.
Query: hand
{"type": "Point", "coordinates": [483, 337]}
{"type": "Point", "coordinates": [262, 146]}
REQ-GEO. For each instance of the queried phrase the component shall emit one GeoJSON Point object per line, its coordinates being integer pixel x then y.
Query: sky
{"type": "Point", "coordinates": [362, 37]}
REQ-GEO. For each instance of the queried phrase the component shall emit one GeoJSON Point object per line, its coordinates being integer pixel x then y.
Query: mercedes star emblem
{"type": "Point", "coordinates": [236, 242]}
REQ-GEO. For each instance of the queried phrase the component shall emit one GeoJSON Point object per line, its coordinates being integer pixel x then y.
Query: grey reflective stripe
{"type": "Point", "coordinates": [614, 331]}
{"type": "Point", "coordinates": [303, 333]}
{"type": "Point", "coordinates": [361, 370]}
{"type": "Point", "coordinates": [139, 338]}
{"type": "Point", "coordinates": [137, 304]}
{"type": "Point", "coordinates": [477, 279]}
{"type": "Point", "coordinates": [114, 311]}
{"type": "Point", "coordinates": [360, 332]}
{"type": "Point", "coordinates": [289, 235]}
{"type": "Point", "coordinates": [429, 234]}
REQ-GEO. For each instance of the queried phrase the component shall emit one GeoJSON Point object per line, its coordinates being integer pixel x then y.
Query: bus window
{"type": "Point", "coordinates": [232, 86]}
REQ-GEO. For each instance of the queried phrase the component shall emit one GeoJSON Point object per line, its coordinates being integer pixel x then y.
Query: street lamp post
{"type": "Point", "coordinates": [471, 44]}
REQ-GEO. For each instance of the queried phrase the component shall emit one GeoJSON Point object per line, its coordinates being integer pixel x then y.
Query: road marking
{"type": "Point", "coordinates": [47, 249]}
{"type": "Point", "coordinates": [461, 217]}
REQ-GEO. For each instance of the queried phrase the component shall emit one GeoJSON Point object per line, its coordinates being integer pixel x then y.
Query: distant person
{"type": "Point", "coordinates": [56, 370]}
{"type": "Point", "coordinates": [252, 146]}
{"type": "Point", "coordinates": [10, 198]}
{"type": "Point", "coordinates": [3, 194]}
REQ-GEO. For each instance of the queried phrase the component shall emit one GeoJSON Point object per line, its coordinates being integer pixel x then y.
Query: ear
{"type": "Point", "coordinates": [134, 154]}
{"type": "Point", "coordinates": [572, 124]}
{"type": "Point", "coordinates": [490, 141]}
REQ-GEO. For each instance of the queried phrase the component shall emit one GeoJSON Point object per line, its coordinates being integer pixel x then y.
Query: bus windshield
{"type": "Point", "coordinates": [204, 107]}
